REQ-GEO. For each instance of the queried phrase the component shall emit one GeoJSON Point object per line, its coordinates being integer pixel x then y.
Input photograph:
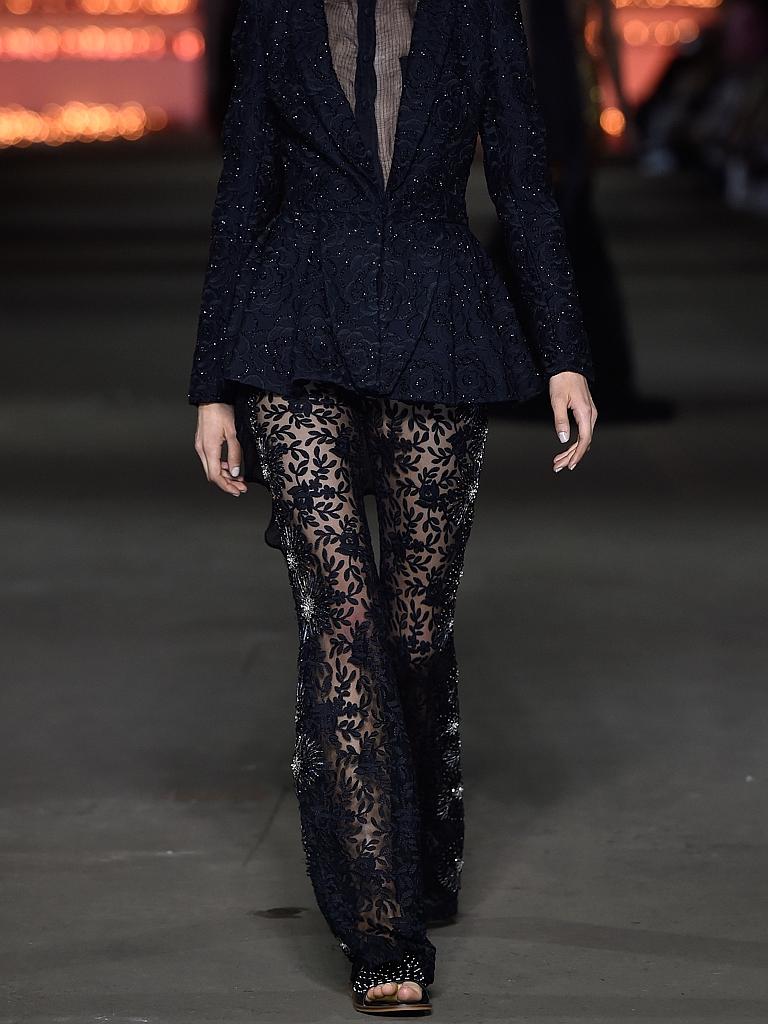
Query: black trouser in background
{"type": "Point", "coordinates": [377, 759]}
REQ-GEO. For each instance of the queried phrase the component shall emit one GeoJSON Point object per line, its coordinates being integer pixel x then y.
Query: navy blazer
{"type": "Point", "coordinates": [319, 271]}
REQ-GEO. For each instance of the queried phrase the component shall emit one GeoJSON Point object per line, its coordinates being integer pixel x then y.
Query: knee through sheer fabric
{"type": "Point", "coordinates": [376, 765]}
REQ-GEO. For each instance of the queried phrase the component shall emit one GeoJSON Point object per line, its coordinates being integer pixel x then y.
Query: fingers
{"type": "Point", "coordinates": [579, 401]}
{"type": "Point", "coordinates": [231, 466]}
{"type": "Point", "coordinates": [583, 416]}
{"type": "Point", "coordinates": [215, 427]}
{"type": "Point", "coordinates": [234, 458]}
{"type": "Point", "coordinates": [238, 483]}
{"type": "Point", "coordinates": [560, 410]}
{"type": "Point", "coordinates": [218, 472]}
{"type": "Point", "coordinates": [562, 459]}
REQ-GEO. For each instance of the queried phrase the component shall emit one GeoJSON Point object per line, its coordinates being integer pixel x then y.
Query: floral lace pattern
{"type": "Point", "coordinates": [377, 757]}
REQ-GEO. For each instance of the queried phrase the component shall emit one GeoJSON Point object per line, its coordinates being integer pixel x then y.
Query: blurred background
{"type": "Point", "coordinates": [611, 626]}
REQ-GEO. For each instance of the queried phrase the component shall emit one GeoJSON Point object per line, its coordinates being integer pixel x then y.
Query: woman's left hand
{"type": "Point", "coordinates": [568, 390]}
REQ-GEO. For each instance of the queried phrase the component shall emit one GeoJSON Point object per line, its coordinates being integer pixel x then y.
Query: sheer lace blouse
{"type": "Point", "coordinates": [369, 41]}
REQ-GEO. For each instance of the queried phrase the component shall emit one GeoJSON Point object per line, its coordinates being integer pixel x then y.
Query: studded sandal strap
{"type": "Point", "coordinates": [406, 968]}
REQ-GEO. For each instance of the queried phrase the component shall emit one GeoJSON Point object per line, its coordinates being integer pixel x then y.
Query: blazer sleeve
{"type": "Point", "coordinates": [246, 198]}
{"type": "Point", "coordinates": [517, 173]}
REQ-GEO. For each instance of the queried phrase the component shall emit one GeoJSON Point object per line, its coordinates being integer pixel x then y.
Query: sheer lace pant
{"type": "Point", "coordinates": [377, 758]}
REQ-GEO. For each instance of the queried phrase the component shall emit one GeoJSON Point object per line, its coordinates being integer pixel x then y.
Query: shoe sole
{"type": "Point", "coordinates": [392, 1007]}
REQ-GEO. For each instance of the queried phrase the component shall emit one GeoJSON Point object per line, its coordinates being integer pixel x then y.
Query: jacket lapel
{"type": "Point", "coordinates": [309, 35]}
{"type": "Point", "coordinates": [432, 26]}
{"type": "Point", "coordinates": [431, 33]}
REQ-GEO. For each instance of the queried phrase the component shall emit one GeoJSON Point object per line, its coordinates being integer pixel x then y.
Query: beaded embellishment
{"type": "Point", "coordinates": [318, 266]}
{"type": "Point", "coordinates": [406, 968]}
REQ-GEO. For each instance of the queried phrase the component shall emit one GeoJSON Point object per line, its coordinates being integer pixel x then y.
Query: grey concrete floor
{"type": "Point", "coordinates": [611, 630]}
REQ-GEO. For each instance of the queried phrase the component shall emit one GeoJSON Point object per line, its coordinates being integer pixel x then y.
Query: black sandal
{"type": "Point", "coordinates": [399, 972]}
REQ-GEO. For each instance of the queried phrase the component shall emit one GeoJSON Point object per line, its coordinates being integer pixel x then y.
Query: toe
{"type": "Point", "coordinates": [409, 992]}
{"type": "Point", "coordinates": [388, 989]}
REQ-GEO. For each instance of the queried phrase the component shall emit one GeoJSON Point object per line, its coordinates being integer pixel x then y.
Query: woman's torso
{"type": "Point", "coordinates": [329, 266]}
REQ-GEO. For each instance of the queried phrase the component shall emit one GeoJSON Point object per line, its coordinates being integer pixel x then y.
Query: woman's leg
{"type": "Point", "coordinates": [427, 461]}
{"type": "Point", "coordinates": [352, 766]}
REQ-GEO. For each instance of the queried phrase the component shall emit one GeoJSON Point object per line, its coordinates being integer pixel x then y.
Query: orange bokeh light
{"type": "Point", "coordinates": [659, 33]}
{"type": "Point", "coordinates": [656, 4]}
{"type": "Point", "coordinates": [99, 7]}
{"type": "Point", "coordinates": [666, 33]}
{"type": "Point", "coordinates": [612, 121]}
{"type": "Point", "coordinates": [188, 45]}
{"type": "Point", "coordinates": [95, 43]}
{"type": "Point", "coordinates": [77, 122]}
{"type": "Point", "coordinates": [636, 32]}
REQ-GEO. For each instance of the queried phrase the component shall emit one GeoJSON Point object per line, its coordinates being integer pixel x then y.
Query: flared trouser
{"type": "Point", "coordinates": [376, 764]}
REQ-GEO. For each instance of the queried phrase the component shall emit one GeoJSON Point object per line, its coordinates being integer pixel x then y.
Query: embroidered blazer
{"type": "Point", "coordinates": [340, 247]}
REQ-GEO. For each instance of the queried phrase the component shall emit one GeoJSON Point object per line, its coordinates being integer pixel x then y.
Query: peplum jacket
{"type": "Point", "coordinates": [340, 247]}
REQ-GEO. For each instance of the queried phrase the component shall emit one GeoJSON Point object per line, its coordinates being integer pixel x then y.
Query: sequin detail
{"type": "Point", "coordinates": [407, 968]}
{"type": "Point", "coordinates": [322, 268]}
{"type": "Point", "coordinates": [376, 765]}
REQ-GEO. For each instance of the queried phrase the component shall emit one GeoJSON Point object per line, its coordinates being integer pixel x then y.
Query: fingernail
{"type": "Point", "coordinates": [558, 469]}
{"type": "Point", "coordinates": [573, 466]}
{"type": "Point", "coordinates": [563, 435]}
{"type": "Point", "coordinates": [235, 471]}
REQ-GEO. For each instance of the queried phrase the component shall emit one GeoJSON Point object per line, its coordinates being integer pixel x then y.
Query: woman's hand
{"type": "Point", "coordinates": [568, 390]}
{"type": "Point", "coordinates": [216, 425]}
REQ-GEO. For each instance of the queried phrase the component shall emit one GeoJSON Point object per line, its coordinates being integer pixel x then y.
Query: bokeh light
{"type": "Point", "coordinates": [612, 121]}
{"type": "Point", "coordinates": [168, 8]}
{"type": "Point", "coordinates": [95, 43]}
{"type": "Point", "coordinates": [77, 122]}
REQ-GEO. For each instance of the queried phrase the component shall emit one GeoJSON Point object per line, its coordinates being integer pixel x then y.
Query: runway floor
{"type": "Point", "coordinates": [611, 631]}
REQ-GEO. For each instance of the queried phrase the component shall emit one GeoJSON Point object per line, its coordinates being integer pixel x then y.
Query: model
{"type": "Point", "coordinates": [353, 332]}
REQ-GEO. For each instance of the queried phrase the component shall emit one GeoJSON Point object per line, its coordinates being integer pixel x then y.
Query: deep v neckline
{"type": "Point", "coordinates": [431, 32]}
{"type": "Point", "coordinates": [406, 84]}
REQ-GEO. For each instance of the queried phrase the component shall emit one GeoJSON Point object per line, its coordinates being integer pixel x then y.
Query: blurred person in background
{"type": "Point", "coordinates": [558, 56]}
{"type": "Point", "coordinates": [352, 335]}
{"type": "Point", "coordinates": [710, 108]}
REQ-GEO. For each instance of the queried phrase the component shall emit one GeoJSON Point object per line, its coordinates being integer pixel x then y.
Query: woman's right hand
{"type": "Point", "coordinates": [216, 425]}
